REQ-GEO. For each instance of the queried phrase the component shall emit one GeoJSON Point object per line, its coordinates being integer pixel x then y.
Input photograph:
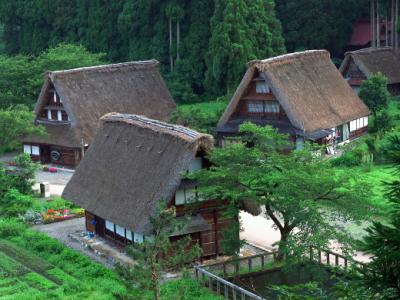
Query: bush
{"type": "Point", "coordinates": [11, 227]}
{"type": "Point", "coordinates": [350, 158]}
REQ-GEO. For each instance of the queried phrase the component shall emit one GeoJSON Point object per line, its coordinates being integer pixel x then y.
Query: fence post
{"type": "Point", "coordinates": [345, 263]}
{"type": "Point", "coordinates": [336, 259]}
{"type": "Point", "coordinates": [237, 267]}
{"type": "Point", "coordinates": [225, 291]}
{"type": "Point", "coordinates": [319, 256]}
{"type": "Point", "coordinates": [234, 293]}
{"type": "Point", "coordinates": [262, 261]}
{"type": "Point", "coordinates": [197, 273]}
{"type": "Point", "coordinates": [249, 263]}
{"type": "Point", "coordinates": [327, 259]}
{"type": "Point", "coordinates": [311, 253]}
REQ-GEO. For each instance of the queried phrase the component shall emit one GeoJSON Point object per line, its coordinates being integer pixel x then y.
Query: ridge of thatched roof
{"type": "Point", "coordinates": [308, 86]}
{"type": "Point", "coordinates": [374, 60]}
{"type": "Point", "coordinates": [132, 164]}
{"type": "Point", "coordinates": [91, 92]}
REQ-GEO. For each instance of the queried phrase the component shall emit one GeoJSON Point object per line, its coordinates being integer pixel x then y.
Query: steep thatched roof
{"type": "Point", "coordinates": [91, 92]}
{"type": "Point", "coordinates": [133, 163]}
{"type": "Point", "coordinates": [374, 60]}
{"type": "Point", "coordinates": [310, 89]}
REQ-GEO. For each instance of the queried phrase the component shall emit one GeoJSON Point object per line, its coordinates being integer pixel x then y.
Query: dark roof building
{"type": "Point", "coordinates": [133, 164]}
{"type": "Point", "coordinates": [71, 103]}
{"type": "Point", "coordinates": [360, 65]}
{"type": "Point", "coordinates": [302, 94]}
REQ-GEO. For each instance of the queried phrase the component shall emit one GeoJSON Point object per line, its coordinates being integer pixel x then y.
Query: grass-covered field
{"type": "Point", "coordinates": [35, 266]}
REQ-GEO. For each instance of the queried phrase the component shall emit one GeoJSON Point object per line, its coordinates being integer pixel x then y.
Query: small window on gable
{"type": "Point", "coordinates": [262, 87]}
{"type": "Point", "coordinates": [254, 106]}
{"type": "Point", "coordinates": [271, 107]}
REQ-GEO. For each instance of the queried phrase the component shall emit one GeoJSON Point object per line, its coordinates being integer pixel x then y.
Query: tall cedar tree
{"type": "Point", "coordinates": [383, 241]}
{"type": "Point", "coordinates": [241, 30]}
{"type": "Point", "coordinates": [158, 254]}
{"type": "Point", "coordinates": [307, 201]}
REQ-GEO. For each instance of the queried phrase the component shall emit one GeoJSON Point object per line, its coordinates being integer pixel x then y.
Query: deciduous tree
{"type": "Point", "coordinates": [307, 201]}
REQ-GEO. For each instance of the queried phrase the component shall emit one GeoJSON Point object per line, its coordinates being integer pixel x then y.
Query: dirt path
{"type": "Point", "coordinates": [61, 230]}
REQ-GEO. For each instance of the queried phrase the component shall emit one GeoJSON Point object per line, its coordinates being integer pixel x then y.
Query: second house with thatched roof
{"type": "Point", "coordinates": [72, 102]}
{"type": "Point", "coordinates": [359, 65]}
{"type": "Point", "coordinates": [302, 95]}
{"type": "Point", "coordinates": [132, 165]}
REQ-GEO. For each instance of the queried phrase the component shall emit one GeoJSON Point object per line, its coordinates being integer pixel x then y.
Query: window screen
{"type": "Point", "coordinates": [271, 107]}
{"type": "Point", "coordinates": [262, 87]}
{"type": "Point", "coordinates": [27, 149]}
{"type": "Point", "coordinates": [255, 106]}
{"type": "Point", "coordinates": [35, 150]}
{"type": "Point", "coordinates": [110, 226]}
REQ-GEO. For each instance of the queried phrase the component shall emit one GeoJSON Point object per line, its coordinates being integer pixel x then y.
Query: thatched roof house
{"type": "Point", "coordinates": [133, 164]}
{"type": "Point", "coordinates": [360, 65]}
{"type": "Point", "coordinates": [71, 103]}
{"type": "Point", "coordinates": [302, 94]}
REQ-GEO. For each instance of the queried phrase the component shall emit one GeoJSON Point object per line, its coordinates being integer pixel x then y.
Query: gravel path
{"type": "Point", "coordinates": [60, 232]}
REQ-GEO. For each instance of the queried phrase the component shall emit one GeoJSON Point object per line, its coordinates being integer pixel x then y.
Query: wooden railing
{"type": "Point", "coordinates": [211, 274]}
{"type": "Point", "coordinates": [329, 258]}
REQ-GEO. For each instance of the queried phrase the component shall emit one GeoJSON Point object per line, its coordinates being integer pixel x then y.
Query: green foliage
{"type": "Point", "coordinates": [296, 189]}
{"type": "Point", "coordinates": [383, 241]}
{"type": "Point", "coordinates": [200, 116]}
{"type": "Point", "coordinates": [319, 24]}
{"type": "Point", "coordinates": [11, 227]}
{"type": "Point", "coordinates": [15, 123]}
{"type": "Point", "coordinates": [21, 77]}
{"type": "Point", "coordinates": [374, 93]}
{"type": "Point", "coordinates": [14, 204]}
{"type": "Point", "coordinates": [241, 31]}
{"type": "Point", "coordinates": [158, 253]}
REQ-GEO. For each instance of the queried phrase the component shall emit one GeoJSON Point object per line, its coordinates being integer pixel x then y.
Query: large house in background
{"type": "Point", "coordinates": [133, 164]}
{"type": "Point", "coordinates": [301, 94]}
{"type": "Point", "coordinates": [361, 36]}
{"type": "Point", "coordinates": [359, 65]}
{"type": "Point", "coordinates": [71, 103]}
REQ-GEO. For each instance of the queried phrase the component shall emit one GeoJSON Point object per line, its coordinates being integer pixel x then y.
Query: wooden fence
{"type": "Point", "coordinates": [212, 274]}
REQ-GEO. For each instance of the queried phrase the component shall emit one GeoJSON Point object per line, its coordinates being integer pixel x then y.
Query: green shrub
{"type": "Point", "coordinates": [11, 227]}
{"type": "Point", "coordinates": [348, 159]}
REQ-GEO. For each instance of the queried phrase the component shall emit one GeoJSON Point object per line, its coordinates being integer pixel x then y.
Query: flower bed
{"type": "Point", "coordinates": [57, 215]}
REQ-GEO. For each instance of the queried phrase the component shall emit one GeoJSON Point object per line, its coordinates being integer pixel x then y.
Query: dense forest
{"type": "Point", "coordinates": [202, 45]}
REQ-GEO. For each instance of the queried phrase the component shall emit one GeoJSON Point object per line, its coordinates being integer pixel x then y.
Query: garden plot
{"type": "Point", "coordinates": [22, 273]}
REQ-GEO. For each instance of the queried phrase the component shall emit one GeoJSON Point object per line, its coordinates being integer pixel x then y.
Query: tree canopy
{"type": "Point", "coordinates": [307, 201]}
{"type": "Point", "coordinates": [374, 93]}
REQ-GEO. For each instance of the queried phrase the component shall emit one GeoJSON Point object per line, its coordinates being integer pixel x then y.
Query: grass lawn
{"type": "Point", "coordinates": [35, 266]}
{"type": "Point", "coordinates": [200, 116]}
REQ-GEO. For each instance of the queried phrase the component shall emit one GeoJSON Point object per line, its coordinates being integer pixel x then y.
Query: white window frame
{"type": "Point", "coordinates": [129, 235]}
{"type": "Point", "coordinates": [27, 149]}
{"type": "Point", "coordinates": [255, 106]}
{"type": "Point", "coordinates": [138, 238]}
{"type": "Point", "coordinates": [109, 225]}
{"type": "Point", "coordinates": [271, 107]}
{"type": "Point", "coordinates": [49, 114]}
{"type": "Point", "coordinates": [120, 230]}
{"type": "Point", "coordinates": [365, 121]}
{"type": "Point", "coordinates": [262, 87]}
{"type": "Point", "coordinates": [55, 96]}
{"type": "Point", "coordinates": [35, 150]}
{"type": "Point", "coordinates": [59, 115]}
